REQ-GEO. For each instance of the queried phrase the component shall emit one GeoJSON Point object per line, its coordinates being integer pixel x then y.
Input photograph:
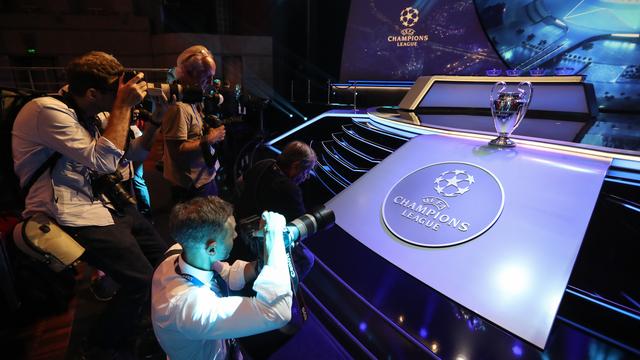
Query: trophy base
{"type": "Point", "coordinates": [502, 141]}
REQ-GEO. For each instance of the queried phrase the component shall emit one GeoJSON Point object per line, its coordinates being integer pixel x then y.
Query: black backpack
{"type": "Point", "coordinates": [11, 101]}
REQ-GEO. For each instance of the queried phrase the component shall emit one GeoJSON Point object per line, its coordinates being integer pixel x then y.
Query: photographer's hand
{"type": "Point", "coordinates": [215, 135]}
{"type": "Point", "coordinates": [132, 92]}
{"type": "Point", "coordinates": [129, 94]}
{"type": "Point", "coordinates": [159, 107]}
{"type": "Point", "coordinates": [274, 242]}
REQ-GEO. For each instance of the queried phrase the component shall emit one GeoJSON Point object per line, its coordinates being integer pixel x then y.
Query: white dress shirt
{"type": "Point", "coordinates": [191, 322]}
{"type": "Point", "coordinates": [46, 125]}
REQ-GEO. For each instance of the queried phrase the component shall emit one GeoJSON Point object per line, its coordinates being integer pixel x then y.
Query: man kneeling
{"type": "Point", "coordinates": [193, 318]}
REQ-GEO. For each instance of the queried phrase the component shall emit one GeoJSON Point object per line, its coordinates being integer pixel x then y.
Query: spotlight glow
{"type": "Point", "coordinates": [513, 279]}
{"type": "Point", "coordinates": [363, 326]}
{"type": "Point", "coordinates": [517, 350]}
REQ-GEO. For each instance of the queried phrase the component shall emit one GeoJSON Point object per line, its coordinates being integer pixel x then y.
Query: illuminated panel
{"type": "Point", "coordinates": [497, 231]}
{"type": "Point", "coordinates": [546, 96]}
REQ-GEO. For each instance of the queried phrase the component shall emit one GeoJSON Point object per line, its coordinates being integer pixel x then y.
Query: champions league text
{"type": "Point", "coordinates": [432, 218]}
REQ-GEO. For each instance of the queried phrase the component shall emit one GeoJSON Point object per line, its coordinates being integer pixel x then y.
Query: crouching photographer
{"type": "Point", "coordinates": [293, 234]}
{"type": "Point", "coordinates": [193, 316]}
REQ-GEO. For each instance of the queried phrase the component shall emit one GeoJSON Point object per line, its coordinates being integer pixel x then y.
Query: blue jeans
{"type": "Point", "coordinates": [140, 188]}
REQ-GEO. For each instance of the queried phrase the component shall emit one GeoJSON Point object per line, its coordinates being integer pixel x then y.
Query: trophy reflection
{"type": "Point", "coordinates": [508, 109]}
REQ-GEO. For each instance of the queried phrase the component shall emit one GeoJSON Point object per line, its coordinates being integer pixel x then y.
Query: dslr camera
{"type": "Point", "coordinates": [211, 122]}
{"type": "Point", "coordinates": [110, 185]}
{"type": "Point", "coordinates": [188, 94]}
{"type": "Point", "coordinates": [296, 231]}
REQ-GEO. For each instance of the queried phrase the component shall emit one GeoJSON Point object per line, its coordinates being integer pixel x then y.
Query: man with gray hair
{"type": "Point", "coordinates": [186, 138]}
{"type": "Point", "coordinates": [193, 316]}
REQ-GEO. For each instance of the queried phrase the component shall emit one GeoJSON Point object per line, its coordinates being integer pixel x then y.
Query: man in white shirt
{"type": "Point", "coordinates": [120, 243]}
{"type": "Point", "coordinates": [192, 316]}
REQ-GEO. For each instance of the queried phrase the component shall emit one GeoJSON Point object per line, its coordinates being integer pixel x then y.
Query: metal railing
{"type": "Point", "coordinates": [50, 79]}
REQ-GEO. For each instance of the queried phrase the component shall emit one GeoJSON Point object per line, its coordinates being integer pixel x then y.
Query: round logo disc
{"type": "Point", "coordinates": [443, 204]}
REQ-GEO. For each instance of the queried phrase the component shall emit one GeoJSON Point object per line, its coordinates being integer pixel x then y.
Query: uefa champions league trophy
{"type": "Point", "coordinates": [508, 109]}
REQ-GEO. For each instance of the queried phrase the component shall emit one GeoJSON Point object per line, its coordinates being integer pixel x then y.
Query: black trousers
{"type": "Point", "coordinates": [128, 252]}
{"type": "Point", "coordinates": [180, 194]}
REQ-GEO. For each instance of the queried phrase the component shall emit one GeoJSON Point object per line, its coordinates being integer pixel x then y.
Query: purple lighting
{"type": "Point", "coordinates": [564, 71]}
{"type": "Point", "coordinates": [363, 326]}
{"type": "Point", "coordinates": [517, 350]}
{"type": "Point", "coordinates": [537, 72]}
{"type": "Point", "coordinates": [423, 333]}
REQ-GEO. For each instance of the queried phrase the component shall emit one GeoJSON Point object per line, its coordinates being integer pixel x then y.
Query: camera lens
{"type": "Point", "coordinates": [191, 94]}
{"type": "Point", "coordinates": [309, 224]}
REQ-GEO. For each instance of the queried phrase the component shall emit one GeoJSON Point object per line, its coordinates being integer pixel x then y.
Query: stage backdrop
{"type": "Point", "coordinates": [401, 40]}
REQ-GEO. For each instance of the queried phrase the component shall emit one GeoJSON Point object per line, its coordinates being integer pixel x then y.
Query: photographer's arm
{"type": "Point", "coordinates": [60, 131]}
{"type": "Point", "coordinates": [140, 146]}
{"type": "Point", "coordinates": [129, 94]}
{"type": "Point", "coordinates": [234, 316]}
{"type": "Point", "coordinates": [250, 272]}
{"type": "Point", "coordinates": [175, 130]}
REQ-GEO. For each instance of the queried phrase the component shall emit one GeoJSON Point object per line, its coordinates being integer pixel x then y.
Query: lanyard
{"type": "Point", "coordinates": [231, 345]}
{"type": "Point", "coordinates": [222, 285]}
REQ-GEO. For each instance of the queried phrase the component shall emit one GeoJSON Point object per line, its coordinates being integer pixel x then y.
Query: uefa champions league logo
{"type": "Point", "coordinates": [453, 183]}
{"type": "Point", "coordinates": [418, 213]}
{"type": "Point", "coordinates": [409, 16]}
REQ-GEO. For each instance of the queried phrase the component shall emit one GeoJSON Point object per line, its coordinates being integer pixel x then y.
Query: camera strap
{"type": "Point", "coordinates": [295, 283]}
{"type": "Point", "coordinates": [47, 165]}
{"type": "Point", "coordinates": [234, 350]}
{"type": "Point", "coordinates": [53, 159]}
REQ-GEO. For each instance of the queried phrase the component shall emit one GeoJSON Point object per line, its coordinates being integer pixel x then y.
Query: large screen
{"type": "Point", "coordinates": [402, 40]}
{"type": "Point", "coordinates": [595, 38]}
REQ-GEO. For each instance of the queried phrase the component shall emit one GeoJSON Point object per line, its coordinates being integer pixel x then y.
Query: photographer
{"type": "Point", "coordinates": [193, 317]}
{"type": "Point", "coordinates": [187, 141]}
{"type": "Point", "coordinates": [275, 185]}
{"type": "Point", "coordinates": [61, 135]}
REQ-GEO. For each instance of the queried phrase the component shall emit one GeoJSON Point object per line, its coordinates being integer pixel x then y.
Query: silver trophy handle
{"type": "Point", "coordinates": [497, 88]}
{"type": "Point", "coordinates": [526, 90]}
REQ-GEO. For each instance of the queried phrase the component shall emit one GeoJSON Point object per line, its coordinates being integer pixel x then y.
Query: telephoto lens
{"type": "Point", "coordinates": [297, 230]}
{"type": "Point", "coordinates": [309, 224]}
{"type": "Point", "coordinates": [189, 94]}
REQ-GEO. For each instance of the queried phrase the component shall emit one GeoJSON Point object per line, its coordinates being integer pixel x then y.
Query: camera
{"type": "Point", "coordinates": [296, 231]}
{"type": "Point", "coordinates": [209, 157]}
{"type": "Point", "coordinates": [212, 102]}
{"type": "Point", "coordinates": [185, 93]}
{"type": "Point", "coordinates": [110, 185]}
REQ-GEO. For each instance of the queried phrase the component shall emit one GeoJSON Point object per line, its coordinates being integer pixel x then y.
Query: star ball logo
{"type": "Point", "coordinates": [409, 17]}
{"type": "Point", "coordinates": [443, 204]}
{"type": "Point", "coordinates": [453, 183]}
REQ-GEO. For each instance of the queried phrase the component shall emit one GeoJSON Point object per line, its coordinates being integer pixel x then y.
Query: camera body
{"type": "Point", "coordinates": [110, 185]}
{"type": "Point", "coordinates": [296, 231]}
{"type": "Point", "coordinates": [210, 122]}
{"type": "Point", "coordinates": [188, 94]}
